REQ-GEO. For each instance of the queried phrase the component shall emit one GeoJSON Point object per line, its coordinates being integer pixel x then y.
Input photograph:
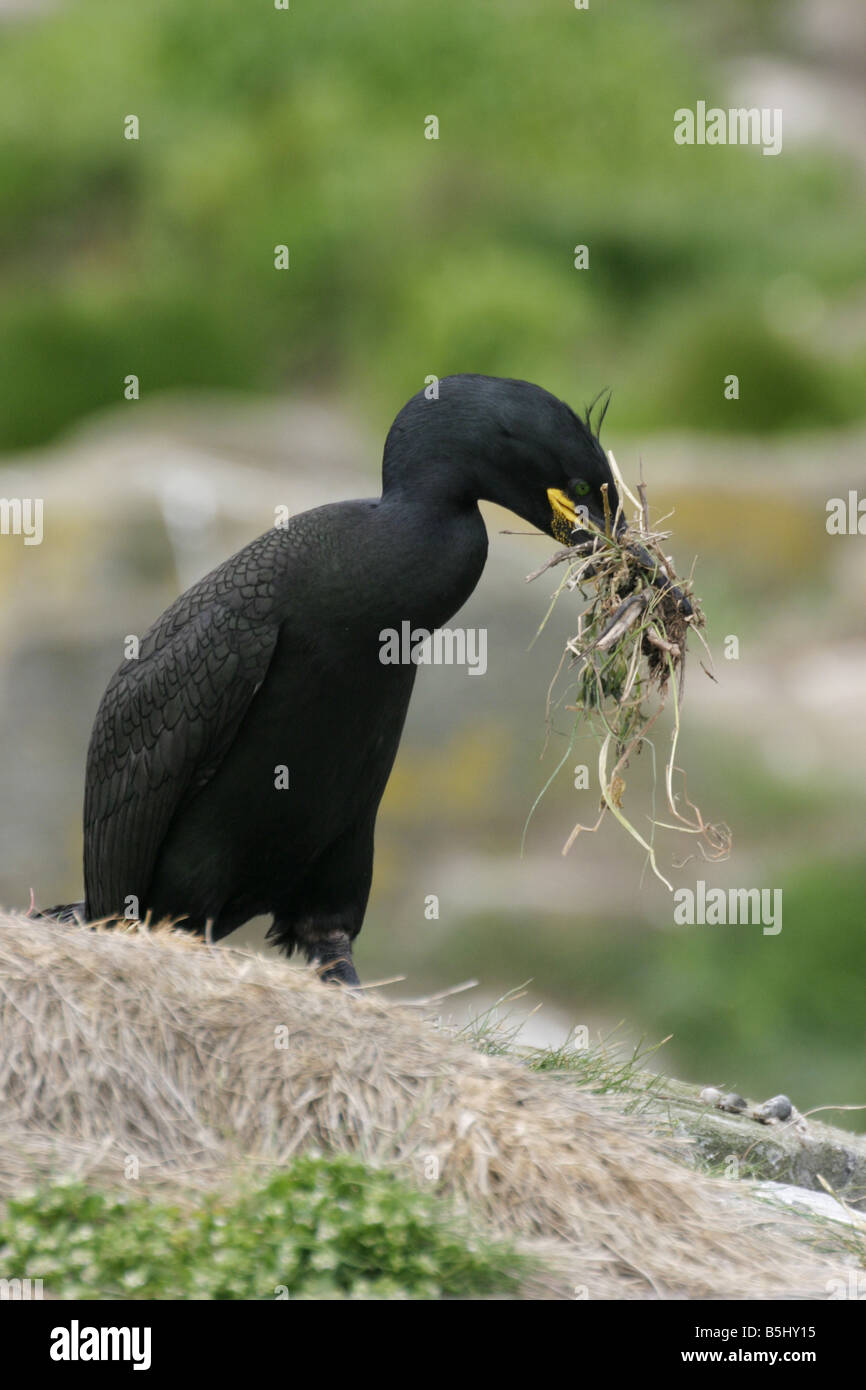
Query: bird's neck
{"type": "Point", "coordinates": [438, 549]}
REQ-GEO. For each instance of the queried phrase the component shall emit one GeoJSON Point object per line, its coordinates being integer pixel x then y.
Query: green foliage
{"type": "Point", "coordinates": [326, 1228]}
{"type": "Point", "coordinates": [408, 256]}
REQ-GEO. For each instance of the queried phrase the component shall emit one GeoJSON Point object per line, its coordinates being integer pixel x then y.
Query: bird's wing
{"type": "Point", "coordinates": [166, 721]}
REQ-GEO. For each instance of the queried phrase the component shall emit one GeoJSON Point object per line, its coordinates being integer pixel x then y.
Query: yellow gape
{"type": "Point", "coordinates": [565, 518]}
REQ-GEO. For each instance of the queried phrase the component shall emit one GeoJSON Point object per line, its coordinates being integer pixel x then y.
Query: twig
{"type": "Point", "coordinates": [625, 616]}
{"type": "Point", "coordinates": [556, 558]}
{"type": "Point", "coordinates": [442, 994]}
{"type": "Point", "coordinates": [657, 641]}
{"type": "Point", "coordinates": [644, 505]}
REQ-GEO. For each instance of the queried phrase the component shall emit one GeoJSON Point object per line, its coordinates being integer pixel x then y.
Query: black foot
{"type": "Point", "coordinates": [330, 948]}
{"type": "Point", "coordinates": [340, 972]}
{"type": "Point", "coordinates": [333, 955]}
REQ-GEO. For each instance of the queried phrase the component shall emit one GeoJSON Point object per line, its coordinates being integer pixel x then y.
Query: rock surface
{"type": "Point", "coordinates": [800, 1152]}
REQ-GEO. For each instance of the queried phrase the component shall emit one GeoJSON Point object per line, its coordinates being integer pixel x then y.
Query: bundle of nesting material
{"type": "Point", "coordinates": [630, 651]}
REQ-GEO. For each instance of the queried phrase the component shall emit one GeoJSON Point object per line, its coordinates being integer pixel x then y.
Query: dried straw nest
{"type": "Point", "coordinates": [630, 653]}
{"type": "Point", "coordinates": [153, 1045]}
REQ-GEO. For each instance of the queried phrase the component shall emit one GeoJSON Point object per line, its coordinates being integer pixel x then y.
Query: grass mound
{"type": "Point", "coordinates": [208, 1066]}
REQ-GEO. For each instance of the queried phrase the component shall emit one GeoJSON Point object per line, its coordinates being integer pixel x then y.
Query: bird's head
{"type": "Point", "coordinates": [499, 440]}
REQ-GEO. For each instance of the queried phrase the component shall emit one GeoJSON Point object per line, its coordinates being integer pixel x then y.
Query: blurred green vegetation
{"type": "Point", "coordinates": [326, 1228]}
{"type": "Point", "coordinates": [408, 256]}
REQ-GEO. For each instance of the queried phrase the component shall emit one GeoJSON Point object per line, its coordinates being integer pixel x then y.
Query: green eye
{"type": "Point", "coordinates": [580, 487]}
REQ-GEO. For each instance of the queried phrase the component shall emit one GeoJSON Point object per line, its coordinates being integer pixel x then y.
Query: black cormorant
{"type": "Point", "coordinates": [237, 764]}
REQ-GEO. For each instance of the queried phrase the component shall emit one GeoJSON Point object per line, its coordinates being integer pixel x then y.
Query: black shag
{"type": "Point", "coordinates": [237, 763]}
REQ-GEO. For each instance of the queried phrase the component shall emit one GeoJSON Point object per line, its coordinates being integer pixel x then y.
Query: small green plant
{"type": "Point", "coordinates": [325, 1228]}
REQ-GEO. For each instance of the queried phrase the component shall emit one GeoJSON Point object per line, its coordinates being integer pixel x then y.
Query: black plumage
{"type": "Point", "coordinates": [273, 661]}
